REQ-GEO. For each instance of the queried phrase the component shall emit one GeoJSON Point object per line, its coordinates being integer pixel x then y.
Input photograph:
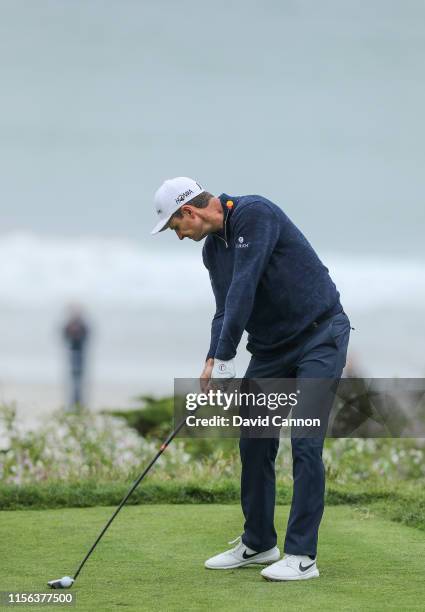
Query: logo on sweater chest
{"type": "Point", "coordinates": [240, 244]}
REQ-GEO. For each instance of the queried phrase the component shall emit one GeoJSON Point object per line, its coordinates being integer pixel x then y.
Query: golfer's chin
{"type": "Point", "coordinates": [199, 237]}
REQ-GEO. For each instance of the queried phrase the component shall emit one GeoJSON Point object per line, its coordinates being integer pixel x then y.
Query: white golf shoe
{"type": "Point", "coordinates": [241, 555]}
{"type": "Point", "coordinates": [292, 567]}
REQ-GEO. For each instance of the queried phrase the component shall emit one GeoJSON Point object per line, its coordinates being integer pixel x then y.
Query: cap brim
{"type": "Point", "coordinates": [161, 225]}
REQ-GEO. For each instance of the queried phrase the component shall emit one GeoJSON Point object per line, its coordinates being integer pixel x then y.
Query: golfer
{"type": "Point", "coordinates": [268, 280]}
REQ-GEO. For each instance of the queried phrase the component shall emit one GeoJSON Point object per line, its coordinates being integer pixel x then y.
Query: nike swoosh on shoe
{"type": "Point", "coordinates": [246, 556]}
{"type": "Point", "coordinates": [304, 569]}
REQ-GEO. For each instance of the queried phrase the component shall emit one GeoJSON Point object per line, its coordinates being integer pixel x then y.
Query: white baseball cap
{"type": "Point", "coordinates": [171, 195]}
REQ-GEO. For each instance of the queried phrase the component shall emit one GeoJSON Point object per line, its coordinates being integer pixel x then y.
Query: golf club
{"type": "Point", "coordinates": [67, 581]}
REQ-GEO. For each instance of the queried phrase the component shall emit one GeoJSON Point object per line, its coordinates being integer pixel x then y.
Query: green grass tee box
{"type": "Point", "coordinates": [152, 559]}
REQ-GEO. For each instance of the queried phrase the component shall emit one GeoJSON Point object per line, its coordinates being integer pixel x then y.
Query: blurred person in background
{"type": "Point", "coordinates": [76, 333]}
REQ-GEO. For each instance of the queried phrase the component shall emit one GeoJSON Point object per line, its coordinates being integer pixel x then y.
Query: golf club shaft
{"type": "Point", "coordinates": [133, 487]}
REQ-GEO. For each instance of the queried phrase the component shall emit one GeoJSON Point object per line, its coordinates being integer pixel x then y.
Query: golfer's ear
{"type": "Point", "coordinates": [187, 210]}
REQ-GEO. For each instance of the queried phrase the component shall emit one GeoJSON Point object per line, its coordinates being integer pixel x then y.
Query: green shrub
{"type": "Point", "coordinates": [154, 418]}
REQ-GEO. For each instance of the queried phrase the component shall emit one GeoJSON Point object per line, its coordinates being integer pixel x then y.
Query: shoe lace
{"type": "Point", "coordinates": [238, 542]}
{"type": "Point", "coordinates": [289, 558]}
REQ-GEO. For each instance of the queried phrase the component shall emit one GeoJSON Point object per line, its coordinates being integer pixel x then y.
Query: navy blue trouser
{"type": "Point", "coordinates": [321, 354]}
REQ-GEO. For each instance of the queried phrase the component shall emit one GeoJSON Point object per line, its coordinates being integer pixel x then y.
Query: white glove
{"type": "Point", "coordinates": [223, 369]}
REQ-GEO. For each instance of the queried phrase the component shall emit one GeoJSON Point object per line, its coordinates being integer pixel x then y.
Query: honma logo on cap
{"type": "Point", "coordinates": [182, 196]}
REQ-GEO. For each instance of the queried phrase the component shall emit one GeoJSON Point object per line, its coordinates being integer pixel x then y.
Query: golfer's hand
{"type": "Point", "coordinates": [205, 376]}
{"type": "Point", "coordinates": [223, 369]}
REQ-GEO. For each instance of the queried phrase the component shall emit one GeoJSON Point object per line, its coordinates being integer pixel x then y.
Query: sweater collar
{"type": "Point", "coordinates": [228, 203]}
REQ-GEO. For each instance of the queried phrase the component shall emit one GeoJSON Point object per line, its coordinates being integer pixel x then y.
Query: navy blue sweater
{"type": "Point", "coordinates": [266, 278]}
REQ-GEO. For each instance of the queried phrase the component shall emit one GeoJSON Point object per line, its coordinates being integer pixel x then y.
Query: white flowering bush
{"type": "Point", "coordinates": [85, 446]}
{"type": "Point", "coordinates": [75, 447]}
{"type": "Point", "coordinates": [379, 459]}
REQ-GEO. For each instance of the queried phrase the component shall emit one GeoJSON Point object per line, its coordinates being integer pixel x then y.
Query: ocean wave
{"type": "Point", "coordinates": [38, 271]}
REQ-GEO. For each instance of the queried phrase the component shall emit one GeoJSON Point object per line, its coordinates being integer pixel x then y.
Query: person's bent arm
{"type": "Point", "coordinates": [256, 233]}
{"type": "Point", "coordinates": [216, 325]}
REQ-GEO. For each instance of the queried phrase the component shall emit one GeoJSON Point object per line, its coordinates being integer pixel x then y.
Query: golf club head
{"type": "Point", "coordinates": [62, 583]}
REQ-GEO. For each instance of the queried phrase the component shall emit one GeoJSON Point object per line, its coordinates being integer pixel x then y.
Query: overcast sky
{"type": "Point", "coordinates": [318, 106]}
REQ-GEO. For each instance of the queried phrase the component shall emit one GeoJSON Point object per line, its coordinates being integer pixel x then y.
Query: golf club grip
{"type": "Point", "coordinates": [128, 494]}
